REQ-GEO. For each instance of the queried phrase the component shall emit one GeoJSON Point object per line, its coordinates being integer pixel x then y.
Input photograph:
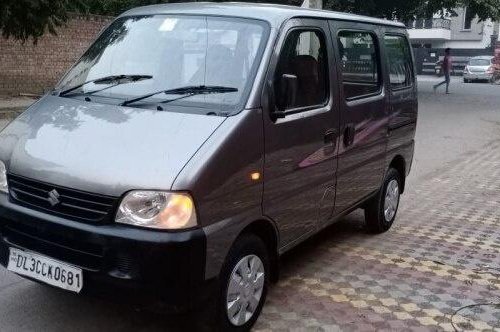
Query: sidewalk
{"type": "Point", "coordinates": [434, 78]}
{"type": "Point", "coordinates": [15, 103]}
{"type": "Point", "coordinates": [10, 107]}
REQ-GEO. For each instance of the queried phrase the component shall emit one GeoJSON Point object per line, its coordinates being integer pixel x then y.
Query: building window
{"type": "Point", "coordinates": [468, 17]}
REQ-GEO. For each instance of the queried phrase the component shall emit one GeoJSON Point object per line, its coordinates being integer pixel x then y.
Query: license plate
{"type": "Point", "coordinates": [45, 269]}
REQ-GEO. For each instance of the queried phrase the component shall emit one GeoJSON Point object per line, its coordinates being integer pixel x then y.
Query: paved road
{"type": "Point", "coordinates": [453, 125]}
{"type": "Point", "coordinates": [441, 255]}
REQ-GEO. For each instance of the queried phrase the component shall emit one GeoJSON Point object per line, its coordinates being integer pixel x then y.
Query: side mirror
{"type": "Point", "coordinates": [286, 96]}
{"type": "Point", "coordinates": [289, 87]}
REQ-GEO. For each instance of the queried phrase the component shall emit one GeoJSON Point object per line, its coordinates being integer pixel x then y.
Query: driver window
{"type": "Point", "coordinates": [301, 78]}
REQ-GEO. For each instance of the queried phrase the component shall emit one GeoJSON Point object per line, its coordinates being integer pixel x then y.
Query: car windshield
{"type": "Point", "coordinates": [479, 62]}
{"type": "Point", "coordinates": [176, 51]}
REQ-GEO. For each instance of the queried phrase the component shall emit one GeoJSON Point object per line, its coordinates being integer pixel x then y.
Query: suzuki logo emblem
{"type": "Point", "coordinates": [54, 197]}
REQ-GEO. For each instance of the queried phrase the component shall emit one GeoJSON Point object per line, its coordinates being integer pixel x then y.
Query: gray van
{"type": "Point", "coordinates": [193, 144]}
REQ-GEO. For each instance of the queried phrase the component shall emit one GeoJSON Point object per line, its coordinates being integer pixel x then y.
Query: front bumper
{"type": "Point", "coordinates": [147, 267]}
{"type": "Point", "coordinates": [477, 76]}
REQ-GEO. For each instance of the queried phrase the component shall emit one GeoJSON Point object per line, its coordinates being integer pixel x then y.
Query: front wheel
{"type": "Point", "coordinates": [382, 209]}
{"type": "Point", "coordinates": [244, 283]}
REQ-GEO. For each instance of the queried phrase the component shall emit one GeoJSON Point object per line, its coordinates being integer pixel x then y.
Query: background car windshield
{"type": "Point", "coordinates": [480, 62]}
{"type": "Point", "coordinates": [177, 51]}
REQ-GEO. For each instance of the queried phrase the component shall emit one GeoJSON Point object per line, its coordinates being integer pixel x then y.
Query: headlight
{"type": "Point", "coordinates": [156, 209]}
{"type": "Point", "coordinates": [3, 178]}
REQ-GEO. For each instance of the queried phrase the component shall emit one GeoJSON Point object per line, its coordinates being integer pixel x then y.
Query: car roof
{"type": "Point", "coordinates": [274, 14]}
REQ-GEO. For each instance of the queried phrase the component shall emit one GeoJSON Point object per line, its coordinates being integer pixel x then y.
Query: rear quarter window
{"type": "Point", "coordinates": [360, 59]}
{"type": "Point", "coordinates": [399, 61]}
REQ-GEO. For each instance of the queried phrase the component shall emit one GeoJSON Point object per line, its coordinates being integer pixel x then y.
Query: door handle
{"type": "Point", "coordinates": [330, 137]}
{"type": "Point", "coordinates": [349, 133]}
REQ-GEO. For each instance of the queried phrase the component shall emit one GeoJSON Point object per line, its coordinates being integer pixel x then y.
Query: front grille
{"type": "Point", "coordinates": [61, 201]}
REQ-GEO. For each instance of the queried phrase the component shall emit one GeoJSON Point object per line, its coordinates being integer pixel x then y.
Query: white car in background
{"type": "Point", "coordinates": [479, 68]}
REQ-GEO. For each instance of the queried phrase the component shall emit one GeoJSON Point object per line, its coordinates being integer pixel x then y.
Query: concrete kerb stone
{"type": "Point", "coordinates": [10, 107]}
{"type": "Point", "coordinates": [7, 114]}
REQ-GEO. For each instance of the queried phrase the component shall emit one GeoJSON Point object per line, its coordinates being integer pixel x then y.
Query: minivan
{"type": "Point", "coordinates": [194, 144]}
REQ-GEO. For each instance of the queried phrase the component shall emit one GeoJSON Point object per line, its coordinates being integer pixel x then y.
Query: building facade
{"type": "Point", "coordinates": [463, 31]}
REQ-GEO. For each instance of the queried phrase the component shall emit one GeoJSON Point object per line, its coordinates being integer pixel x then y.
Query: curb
{"type": "Point", "coordinates": [9, 113]}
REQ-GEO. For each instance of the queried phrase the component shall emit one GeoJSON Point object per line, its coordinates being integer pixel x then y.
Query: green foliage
{"type": "Point", "coordinates": [25, 19]}
{"type": "Point", "coordinates": [115, 7]}
{"type": "Point", "coordinates": [485, 8]}
{"type": "Point", "coordinates": [22, 19]}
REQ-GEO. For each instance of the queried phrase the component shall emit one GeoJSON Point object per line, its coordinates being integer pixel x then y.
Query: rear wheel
{"type": "Point", "coordinates": [466, 80]}
{"type": "Point", "coordinates": [382, 209]}
{"type": "Point", "coordinates": [244, 283]}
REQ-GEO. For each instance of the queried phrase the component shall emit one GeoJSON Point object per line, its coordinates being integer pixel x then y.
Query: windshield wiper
{"type": "Point", "coordinates": [117, 79]}
{"type": "Point", "coordinates": [189, 91]}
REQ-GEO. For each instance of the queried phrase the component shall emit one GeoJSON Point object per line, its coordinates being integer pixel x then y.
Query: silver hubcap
{"type": "Point", "coordinates": [244, 290]}
{"type": "Point", "coordinates": [391, 200]}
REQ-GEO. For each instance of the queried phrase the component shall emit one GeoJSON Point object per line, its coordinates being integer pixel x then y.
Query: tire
{"type": "Point", "coordinates": [377, 218]}
{"type": "Point", "coordinates": [466, 81]}
{"type": "Point", "coordinates": [248, 248]}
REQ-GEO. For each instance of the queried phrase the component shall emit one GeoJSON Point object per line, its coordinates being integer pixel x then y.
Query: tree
{"type": "Point", "coordinates": [410, 9]}
{"type": "Point", "coordinates": [115, 7]}
{"type": "Point", "coordinates": [24, 19]}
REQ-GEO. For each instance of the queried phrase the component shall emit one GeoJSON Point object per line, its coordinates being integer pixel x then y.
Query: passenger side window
{"type": "Point", "coordinates": [301, 78]}
{"type": "Point", "coordinates": [400, 64]}
{"type": "Point", "coordinates": [360, 63]}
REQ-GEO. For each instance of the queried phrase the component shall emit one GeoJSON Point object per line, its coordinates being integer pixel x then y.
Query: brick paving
{"type": "Point", "coordinates": [442, 254]}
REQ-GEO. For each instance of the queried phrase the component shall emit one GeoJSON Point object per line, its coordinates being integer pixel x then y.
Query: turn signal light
{"type": "Point", "coordinates": [255, 176]}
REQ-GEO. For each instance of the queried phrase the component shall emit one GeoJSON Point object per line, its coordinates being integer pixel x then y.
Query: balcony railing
{"type": "Point", "coordinates": [432, 23]}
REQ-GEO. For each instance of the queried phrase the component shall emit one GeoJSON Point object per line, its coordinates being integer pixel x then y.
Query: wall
{"type": "Point", "coordinates": [467, 44]}
{"type": "Point", "coordinates": [33, 69]}
{"type": "Point", "coordinates": [478, 37]}
{"type": "Point", "coordinates": [426, 58]}
{"type": "Point", "coordinates": [457, 27]}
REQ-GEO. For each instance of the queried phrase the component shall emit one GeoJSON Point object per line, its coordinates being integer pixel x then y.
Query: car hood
{"type": "Point", "coordinates": [102, 149]}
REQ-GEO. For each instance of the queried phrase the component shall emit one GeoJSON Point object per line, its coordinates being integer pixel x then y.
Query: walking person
{"type": "Point", "coordinates": [446, 66]}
